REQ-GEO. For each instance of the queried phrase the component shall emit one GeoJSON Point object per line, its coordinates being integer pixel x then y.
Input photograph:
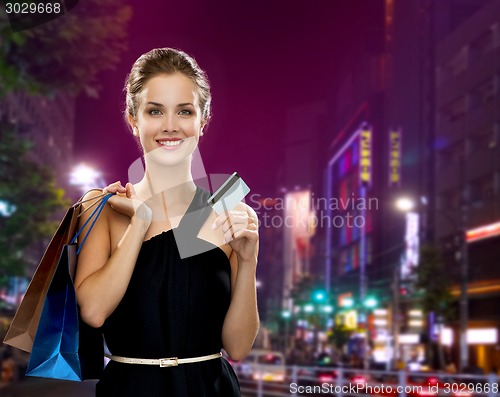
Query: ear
{"type": "Point", "coordinates": [133, 125]}
{"type": "Point", "coordinates": [131, 121]}
{"type": "Point", "coordinates": [202, 126]}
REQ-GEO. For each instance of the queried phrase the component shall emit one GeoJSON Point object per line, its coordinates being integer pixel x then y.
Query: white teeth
{"type": "Point", "coordinates": [171, 143]}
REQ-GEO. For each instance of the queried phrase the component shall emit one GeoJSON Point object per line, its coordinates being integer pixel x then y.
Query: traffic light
{"type": "Point", "coordinates": [347, 302]}
{"type": "Point", "coordinates": [319, 296]}
{"type": "Point", "coordinates": [370, 302]}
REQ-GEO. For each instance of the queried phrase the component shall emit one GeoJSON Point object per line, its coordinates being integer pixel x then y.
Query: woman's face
{"type": "Point", "coordinates": [168, 118]}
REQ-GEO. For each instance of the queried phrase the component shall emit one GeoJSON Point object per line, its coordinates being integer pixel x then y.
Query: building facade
{"type": "Point", "coordinates": [468, 174]}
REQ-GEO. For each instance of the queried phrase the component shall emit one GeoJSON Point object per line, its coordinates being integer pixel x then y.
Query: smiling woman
{"type": "Point", "coordinates": [165, 318]}
{"type": "Point", "coordinates": [168, 117]}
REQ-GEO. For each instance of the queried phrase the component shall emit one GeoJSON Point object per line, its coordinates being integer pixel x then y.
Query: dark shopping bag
{"type": "Point", "coordinates": [55, 348]}
{"type": "Point", "coordinates": [23, 327]}
{"type": "Point", "coordinates": [64, 347]}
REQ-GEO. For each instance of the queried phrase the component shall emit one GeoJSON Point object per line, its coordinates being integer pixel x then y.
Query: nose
{"type": "Point", "coordinates": [169, 124]}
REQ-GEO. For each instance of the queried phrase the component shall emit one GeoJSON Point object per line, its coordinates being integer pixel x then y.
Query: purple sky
{"type": "Point", "coordinates": [262, 58]}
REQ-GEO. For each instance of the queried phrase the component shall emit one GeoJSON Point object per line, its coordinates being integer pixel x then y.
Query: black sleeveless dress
{"type": "Point", "coordinates": [173, 307]}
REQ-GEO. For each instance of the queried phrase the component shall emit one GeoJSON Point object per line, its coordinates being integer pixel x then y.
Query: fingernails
{"type": "Point", "coordinates": [214, 225]}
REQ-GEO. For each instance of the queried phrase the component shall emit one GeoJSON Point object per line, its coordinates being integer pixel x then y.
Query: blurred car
{"type": "Point", "coordinates": [428, 386]}
{"type": "Point", "coordinates": [262, 365]}
{"type": "Point", "coordinates": [316, 376]}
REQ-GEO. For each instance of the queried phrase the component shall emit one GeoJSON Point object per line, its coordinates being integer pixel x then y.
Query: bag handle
{"type": "Point", "coordinates": [93, 217]}
{"type": "Point", "coordinates": [81, 201]}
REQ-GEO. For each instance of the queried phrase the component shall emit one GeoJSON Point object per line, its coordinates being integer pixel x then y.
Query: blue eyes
{"type": "Point", "coordinates": [158, 112]}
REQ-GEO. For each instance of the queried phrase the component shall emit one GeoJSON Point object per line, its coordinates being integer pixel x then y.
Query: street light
{"type": "Point", "coordinates": [406, 204]}
{"type": "Point", "coordinates": [85, 177]}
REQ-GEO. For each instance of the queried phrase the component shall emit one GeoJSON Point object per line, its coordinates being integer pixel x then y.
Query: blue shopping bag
{"type": "Point", "coordinates": [64, 346]}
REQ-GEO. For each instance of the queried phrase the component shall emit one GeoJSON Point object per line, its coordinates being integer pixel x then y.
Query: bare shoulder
{"type": "Point", "coordinates": [91, 197]}
{"type": "Point", "coordinates": [89, 203]}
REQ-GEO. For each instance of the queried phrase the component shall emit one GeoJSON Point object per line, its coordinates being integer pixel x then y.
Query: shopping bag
{"type": "Point", "coordinates": [23, 327]}
{"type": "Point", "coordinates": [56, 348]}
{"type": "Point", "coordinates": [61, 249]}
{"type": "Point", "coordinates": [22, 330]}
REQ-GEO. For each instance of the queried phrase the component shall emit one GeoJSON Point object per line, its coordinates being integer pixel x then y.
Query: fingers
{"type": "Point", "coordinates": [130, 191]}
{"type": "Point", "coordinates": [250, 233]}
{"type": "Point", "coordinates": [114, 188]}
{"type": "Point", "coordinates": [229, 218]}
{"type": "Point", "coordinates": [236, 224]}
{"type": "Point", "coordinates": [127, 203]}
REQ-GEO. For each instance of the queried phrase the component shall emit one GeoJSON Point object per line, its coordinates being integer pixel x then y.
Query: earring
{"type": "Point", "coordinates": [135, 131]}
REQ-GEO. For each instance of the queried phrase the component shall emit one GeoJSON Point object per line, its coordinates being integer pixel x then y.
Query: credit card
{"type": "Point", "coordinates": [229, 194]}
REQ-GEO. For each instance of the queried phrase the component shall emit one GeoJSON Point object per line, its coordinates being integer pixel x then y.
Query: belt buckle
{"type": "Point", "coordinates": [169, 362]}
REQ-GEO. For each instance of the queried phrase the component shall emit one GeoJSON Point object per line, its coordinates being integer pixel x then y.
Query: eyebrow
{"type": "Point", "coordinates": [161, 105]}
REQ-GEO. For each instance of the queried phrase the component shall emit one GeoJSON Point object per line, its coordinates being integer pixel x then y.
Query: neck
{"type": "Point", "coordinates": [175, 181]}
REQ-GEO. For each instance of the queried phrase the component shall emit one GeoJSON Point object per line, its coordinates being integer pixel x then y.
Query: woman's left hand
{"type": "Point", "coordinates": [241, 231]}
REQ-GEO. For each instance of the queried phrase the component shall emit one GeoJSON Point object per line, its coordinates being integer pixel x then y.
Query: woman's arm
{"type": "Point", "coordinates": [103, 275]}
{"type": "Point", "coordinates": [242, 319]}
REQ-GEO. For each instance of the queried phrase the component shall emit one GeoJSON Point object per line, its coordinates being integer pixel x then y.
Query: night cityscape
{"type": "Point", "coordinates": [368, 132]}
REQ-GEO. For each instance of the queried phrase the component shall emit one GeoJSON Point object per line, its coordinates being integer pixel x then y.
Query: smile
{"type": "Point", "coordinates": [171, 144]}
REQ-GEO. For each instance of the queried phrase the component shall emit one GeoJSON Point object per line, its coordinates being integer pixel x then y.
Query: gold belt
{"type": "Point", "coordinates": [162, 362]}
